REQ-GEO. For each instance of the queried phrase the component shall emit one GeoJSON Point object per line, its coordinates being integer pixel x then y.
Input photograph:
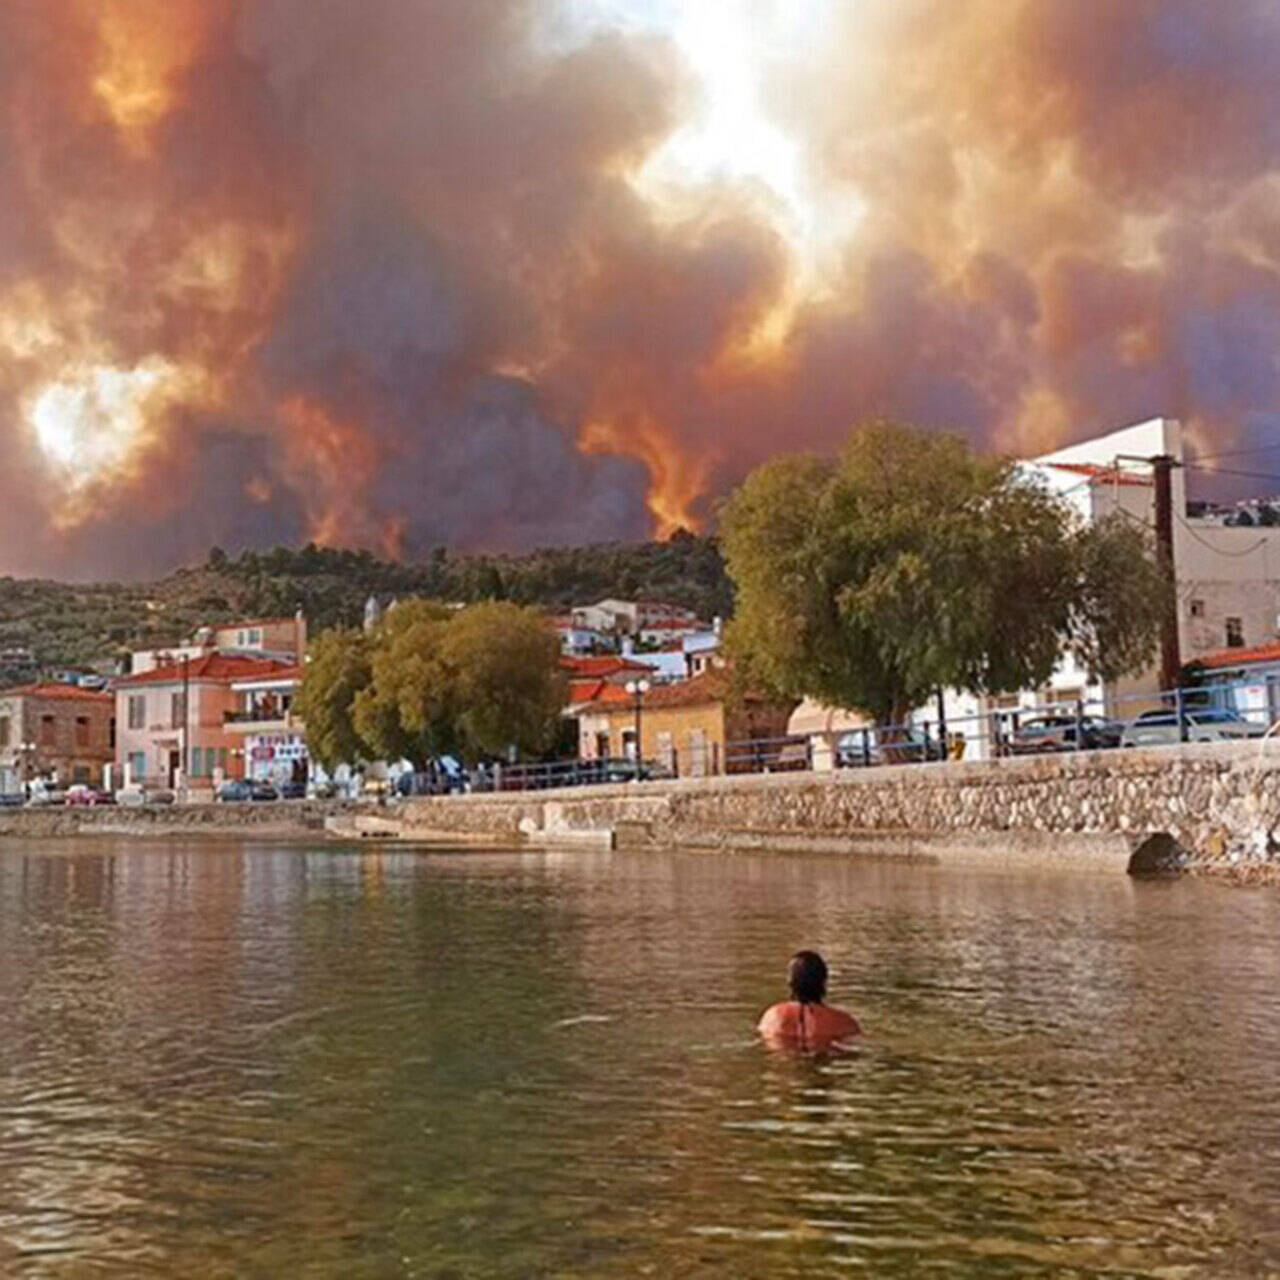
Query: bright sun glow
{"type": "Point", "coordinates": [731, 47]}
{"type": "Point", "coordinates": [90, 423]}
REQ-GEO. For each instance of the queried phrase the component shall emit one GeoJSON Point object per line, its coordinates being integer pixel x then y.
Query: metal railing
{"type": "Point", "coordinates": [1217, 711]}
{"type": "Point", "coordinates": [543, 775]}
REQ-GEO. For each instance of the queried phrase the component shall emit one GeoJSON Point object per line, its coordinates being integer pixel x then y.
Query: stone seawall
{"type": "Point", "coordinates": [1220, 803]}
{"type": "Point", "coordinates": [1217, 807]}
{"type": "Point", "coordinates": [280, 820]}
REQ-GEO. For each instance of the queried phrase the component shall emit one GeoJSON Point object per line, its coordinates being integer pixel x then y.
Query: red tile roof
{"type": "Point", "coordinates": [1240, 657]}
{"type": "Point", "coordinates": [220, 668]}
{"type": "Point", "coordinates": [581, 691]}
{"type": "Point", "coordinates": [56, 690]}
{"type": "Point", "coordinates": [291, 672]}
{"type": "Point", "coordinates": [1104, 475]}
{"type": "Point", "coordinates": [598, 667]}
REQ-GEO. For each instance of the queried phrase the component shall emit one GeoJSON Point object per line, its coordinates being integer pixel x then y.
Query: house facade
{"type": "Point", "coordinates": [688, 728]}
{"type": "Point", "coordinates": [273, 740]}
{"type": "Point", "coordinates": [171, 721]}
{"type": "Point", "coordinates": [279, 639]}
{"type": "Point", "coordinates": [56, 732]}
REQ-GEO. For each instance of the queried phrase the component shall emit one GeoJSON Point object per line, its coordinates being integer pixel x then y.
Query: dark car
{"type": "Point", "coordinates": [293, 790]}
{"type": "Point", "coordinates": [263, 791]}
{"type": "Point", "coordinates": [12, 800]}
{"type": "Point", "coordinates": [874, 745]}
{"type": "Point", "coordinates": [1058, 733]}
{"type": "Point", "coordinates": [237, 791]}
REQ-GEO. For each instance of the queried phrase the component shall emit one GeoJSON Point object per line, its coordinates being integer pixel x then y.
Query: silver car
{"type": "Point", "coordinates": [1204, 724]}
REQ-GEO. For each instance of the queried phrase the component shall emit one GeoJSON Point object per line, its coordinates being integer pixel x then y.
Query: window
{"type": "Point", "coordinates": [197, 762]}
{"type": "Point", "coordinates": [138, 711]}
{"type": "Point", "coordinates": [177, 710]}
{"type": "Point", "coordinates": [82, 731]}
{"type": "Point", "coordinates": [666, 752]}
{"type": "Point", "coordinates": [222, 758]}
{"type": "Point", "coordinates": [1196, 608]}
{"type": "Point", "coordinates": [48, 731]}
{"type": "Point", "coordinates": [111, 733]}
{"type": "Point", "coordinates": [5, 731]}
{"type": "Point", "coordinates": [1235, 633]}
{"type": "Point", "coordinates": [137, 766]}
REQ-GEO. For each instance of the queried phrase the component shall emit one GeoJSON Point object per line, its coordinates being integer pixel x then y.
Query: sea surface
{"type": "Point", "coordinates": [240, 1059]}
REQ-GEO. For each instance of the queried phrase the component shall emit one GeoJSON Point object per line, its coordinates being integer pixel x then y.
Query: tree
{"type": "Point", "coordinates": [508, 687]}
{"type": "Point", "coordinates": [337, 672]}
{"type": "Point", "coordinates": [470, 682]}
{"type": "Point", "coordinates": [407, 709]}
{"type": "Point", "coordinates": [911, 564]}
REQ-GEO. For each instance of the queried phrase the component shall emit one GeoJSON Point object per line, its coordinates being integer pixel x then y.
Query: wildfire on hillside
{"type": "Point", "coordinates": [500, 273]}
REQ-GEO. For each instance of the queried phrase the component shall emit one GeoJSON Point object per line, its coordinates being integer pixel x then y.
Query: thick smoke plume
{"type": "Point", "coordinates": [395, 273]}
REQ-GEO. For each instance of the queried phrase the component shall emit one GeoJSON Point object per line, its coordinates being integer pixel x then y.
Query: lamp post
{"type": "Point", "coordinates": [27, 751]}
{"type": "Point", "coordinates": [637, 689]}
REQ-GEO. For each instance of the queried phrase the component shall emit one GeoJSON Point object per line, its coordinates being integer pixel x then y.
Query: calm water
{"type": "Point", "coordinates": [262, 1061]}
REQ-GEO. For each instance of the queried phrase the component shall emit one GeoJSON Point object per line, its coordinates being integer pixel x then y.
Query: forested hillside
{"type": "Point", "coordinates": [65, 624]}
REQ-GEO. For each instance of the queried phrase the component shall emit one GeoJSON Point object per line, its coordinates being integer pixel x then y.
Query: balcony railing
{"type": "Point", "coordinates": [277, 717]}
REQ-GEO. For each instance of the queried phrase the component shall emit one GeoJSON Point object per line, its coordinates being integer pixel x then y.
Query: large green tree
{"type": "Point", "coordinates": [338, 668]}
{"type": "Point", "coordinates": [470, 682]}
{"type": "Point", "coordinates": [407, 710]}
{"type": "Point", "coordinates": [910, 563]}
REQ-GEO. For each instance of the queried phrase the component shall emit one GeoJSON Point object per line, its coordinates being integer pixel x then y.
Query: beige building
{"type": "Point", "coordinates": [56, 732]}
{"type": "Point", "coordinates": [173, 721]}
{"type": "Point", "coordinates": [692, 729]}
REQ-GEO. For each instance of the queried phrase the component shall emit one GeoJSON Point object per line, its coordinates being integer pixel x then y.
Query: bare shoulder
{"type": "Point", "coordinates": [772, 1020]}
{"type": "Point", "coordinates": [844, 1023]}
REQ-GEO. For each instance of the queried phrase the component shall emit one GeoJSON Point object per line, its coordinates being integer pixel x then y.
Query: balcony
{"type": "Point", "coordinates": [260, 720]}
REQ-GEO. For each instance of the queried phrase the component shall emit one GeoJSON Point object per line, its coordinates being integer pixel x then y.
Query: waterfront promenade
{"type": "Point", "coordinates": [1219, 804]}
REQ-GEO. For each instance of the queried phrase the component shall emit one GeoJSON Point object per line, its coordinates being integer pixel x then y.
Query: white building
{"type": "Point", "coordinates": [1227, 577]}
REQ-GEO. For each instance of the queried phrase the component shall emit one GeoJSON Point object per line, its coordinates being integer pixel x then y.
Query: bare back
{"type": "Point", "coordinates": [790, 1024]}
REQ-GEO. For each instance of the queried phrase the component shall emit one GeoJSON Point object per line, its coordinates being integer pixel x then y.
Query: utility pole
{"type": "Point", "coordinates": [1162, 466]}
{"type": "Point", "coordinates": [186, 720]}
{"type": "Point", "coordinates": [1170, 653]}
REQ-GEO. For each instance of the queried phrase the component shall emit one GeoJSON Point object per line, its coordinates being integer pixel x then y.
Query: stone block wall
{"type": "Point", "coordinates": [1220, 802]}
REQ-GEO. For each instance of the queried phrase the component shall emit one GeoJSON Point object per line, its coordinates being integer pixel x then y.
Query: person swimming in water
{"type": "Point", "coordinates": [804, 1021]}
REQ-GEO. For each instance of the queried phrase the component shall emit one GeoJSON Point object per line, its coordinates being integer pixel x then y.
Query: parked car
{"type": "Point", "coordinates": [43, 795]}
{"type": "Point", "coordinates": [12, 800]}
{"type": "Point", "coordinates": [1058, 733]}
{"type": "Point", "coordinates": [263, 791]}
{"type": "Point", "coordinates": [292, 790]}
{"type": "Point", "coordinates": [235, 791]}
{"type": "Point", "coordinates": [1204, 724]}
{"type": "Point", "coordinates": [886, 746]}
{"type": "Point", "coordinates": [135, 794]}
{"type": "Point", "coordinates": [322, 790]}
{"type": "Point", "coordinates": [82, 796]}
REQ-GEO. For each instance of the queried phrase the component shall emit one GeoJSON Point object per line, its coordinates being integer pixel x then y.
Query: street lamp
{"type": "Point", "coordinates": [637, 689]}
{"type": "Point", "coordinates": [27, 752]}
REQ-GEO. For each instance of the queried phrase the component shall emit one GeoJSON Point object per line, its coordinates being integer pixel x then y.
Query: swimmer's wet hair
{"type": "Point", "coordinates": [807, 976]}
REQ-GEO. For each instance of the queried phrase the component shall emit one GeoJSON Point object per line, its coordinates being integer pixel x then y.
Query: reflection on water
{"type": "Point", "coordinates": [239, 1060]}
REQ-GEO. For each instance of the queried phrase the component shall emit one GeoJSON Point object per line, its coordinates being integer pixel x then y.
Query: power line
{"type": "Point", "coordinates": [1248, 551]}
{"type": "Point", "coordinates": [1222, 471]}
{"type": "Point", "coordinates": [1235, 453]}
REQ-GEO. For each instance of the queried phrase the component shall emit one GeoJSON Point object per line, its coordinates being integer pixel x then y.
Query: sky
{"type": "Point", "coordinates": [508, 273]}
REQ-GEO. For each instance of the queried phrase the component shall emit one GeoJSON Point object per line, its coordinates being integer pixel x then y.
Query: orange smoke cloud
{"type": "Point", "coordinates": [676, 482]}
{"type": "Point", "coordinates": [400, 275]}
